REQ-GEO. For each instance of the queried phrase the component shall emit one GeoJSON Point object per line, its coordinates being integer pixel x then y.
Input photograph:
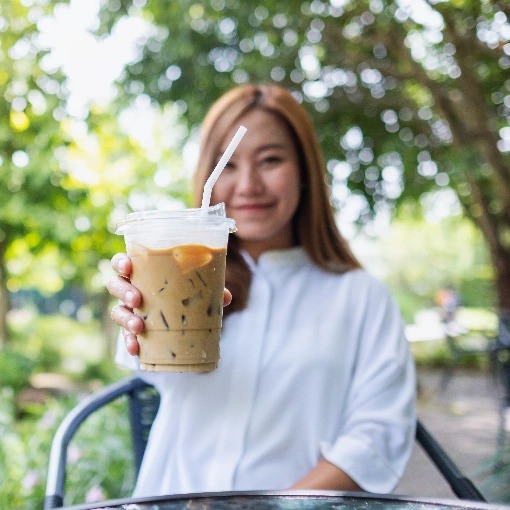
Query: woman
{"type": "Point", "coordinates": [315, 388]}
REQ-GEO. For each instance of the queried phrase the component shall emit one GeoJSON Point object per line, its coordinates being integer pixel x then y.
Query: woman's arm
{"type": "Point", "coordinates": [326, 476]}
{"type": "Point", "coordinates": [378, 422]}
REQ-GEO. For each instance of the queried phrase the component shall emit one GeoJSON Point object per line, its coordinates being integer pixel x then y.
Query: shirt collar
{"type": "Point", "coordinates": [277, 259]}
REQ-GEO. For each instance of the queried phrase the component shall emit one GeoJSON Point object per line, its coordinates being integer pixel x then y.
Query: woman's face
{"type": "Point", "coordinates": [261, 183]}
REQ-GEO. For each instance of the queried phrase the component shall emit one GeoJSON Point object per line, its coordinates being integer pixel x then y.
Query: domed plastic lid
{"type": "Point", "coordinates": [216, 215]}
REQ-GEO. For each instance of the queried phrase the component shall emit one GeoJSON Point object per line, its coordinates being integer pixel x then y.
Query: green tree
{"type": "Point", "coordinates": [120, 175]}
{"type": "Point", "coordinates": [31, 183]}
{"type": "Point", "coordinates": [64, 181]}
{"type": "Point", "coordinates": [410, 99]}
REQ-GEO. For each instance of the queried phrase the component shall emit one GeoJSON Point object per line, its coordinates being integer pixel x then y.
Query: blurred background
{"type": "Point", "coordinates": [101, 103]}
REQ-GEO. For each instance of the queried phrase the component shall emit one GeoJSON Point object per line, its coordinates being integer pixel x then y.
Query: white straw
{"type": "Point", "coordinates": [206, 197]}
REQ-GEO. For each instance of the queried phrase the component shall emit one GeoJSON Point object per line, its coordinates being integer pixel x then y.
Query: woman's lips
{"type": "Point", "coordinates": [252, 207]}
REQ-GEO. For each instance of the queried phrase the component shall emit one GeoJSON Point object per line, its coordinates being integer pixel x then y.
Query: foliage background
{"type": "Point", "coordinates": [412, 113]}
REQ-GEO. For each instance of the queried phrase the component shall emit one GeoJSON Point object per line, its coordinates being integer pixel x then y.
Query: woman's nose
{"type": "Point", "coordinates": [249, 181]}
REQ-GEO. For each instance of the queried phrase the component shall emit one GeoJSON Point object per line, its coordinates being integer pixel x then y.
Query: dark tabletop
{"type": "Point", "coordinates": [298, 500]}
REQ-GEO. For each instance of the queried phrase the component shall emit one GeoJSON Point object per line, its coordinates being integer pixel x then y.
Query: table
{"type": "Point", "coordinates": [288, 500]}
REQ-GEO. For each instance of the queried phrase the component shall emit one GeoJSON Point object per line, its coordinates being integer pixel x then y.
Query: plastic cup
{"type": "Point", "coordinates": [178, 260]}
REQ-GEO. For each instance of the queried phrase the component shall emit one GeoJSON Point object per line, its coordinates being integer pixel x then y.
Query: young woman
{"type": "Point", "coordinates": [315, 388]}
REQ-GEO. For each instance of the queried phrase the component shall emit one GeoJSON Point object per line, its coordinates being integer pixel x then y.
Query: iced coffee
{"type": "Point", "coordinates": [182, 305]}
{"type": "Point", "coordinates": [178, 260]}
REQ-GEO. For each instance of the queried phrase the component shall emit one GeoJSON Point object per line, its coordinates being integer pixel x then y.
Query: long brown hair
{"type": "Point", "coordinates": [314, 223]}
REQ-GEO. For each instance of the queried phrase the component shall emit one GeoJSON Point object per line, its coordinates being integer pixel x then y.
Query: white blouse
{"type": "Point", "coordinates": [316, 366]}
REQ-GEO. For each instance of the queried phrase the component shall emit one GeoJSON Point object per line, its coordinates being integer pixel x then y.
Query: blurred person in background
{"type": "Point", "coordinates": [315, 388]}
{"type": "Point", "coordinates": [448, 302]}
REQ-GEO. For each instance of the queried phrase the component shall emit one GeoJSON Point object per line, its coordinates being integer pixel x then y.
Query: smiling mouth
{"type": "Point", "coordinates": [253, 207]}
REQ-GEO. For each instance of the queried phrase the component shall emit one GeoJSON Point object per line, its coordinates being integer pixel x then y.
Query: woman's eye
{"type": "Point", "coordinates": [271, 160]}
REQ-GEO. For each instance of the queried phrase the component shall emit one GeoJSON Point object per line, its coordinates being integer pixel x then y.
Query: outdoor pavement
{"type": "Point", "coordinates": [464, 419]}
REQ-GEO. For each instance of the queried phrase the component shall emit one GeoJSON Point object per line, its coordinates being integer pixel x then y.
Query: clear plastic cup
{"type": "Point", "coordinates": [178, 260]}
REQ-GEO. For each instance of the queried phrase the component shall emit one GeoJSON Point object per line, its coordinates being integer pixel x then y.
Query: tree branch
{"type": "Point", "coordinates": [476, 115]}
{"type": "Point", "coordinates": [485, 221]}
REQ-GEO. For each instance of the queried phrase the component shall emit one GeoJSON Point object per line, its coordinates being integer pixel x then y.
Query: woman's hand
{"type": "Point", "coordinates": [130, 297]}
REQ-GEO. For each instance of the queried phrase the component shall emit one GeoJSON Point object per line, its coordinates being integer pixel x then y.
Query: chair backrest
{"type": "Point", "coordinates": [461, 486]}
{"type": "Point", "coordinates": [143, 406]}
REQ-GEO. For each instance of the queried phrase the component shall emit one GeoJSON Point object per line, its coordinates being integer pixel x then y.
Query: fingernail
{"type": "Point", "coordinates": [131, 324]}
{"type": "Point", "coordinates": [129, 341]}
{"type": "Point", "coordinates": [122, 265]}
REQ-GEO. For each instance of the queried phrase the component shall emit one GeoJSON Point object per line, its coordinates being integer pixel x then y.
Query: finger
{"type": "Point", "coordinates": [132, 345]}
{"type": "Point", "coordinates": [125, 318]}
{"type": "Point", "coordinates": [122, 289]}
{"type": "Point", "coordinates": [121, 263]}
{"type": "Point", "coordinates": [227, 297]}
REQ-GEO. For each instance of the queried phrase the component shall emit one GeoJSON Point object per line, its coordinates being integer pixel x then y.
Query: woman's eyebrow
{"type": "Point", "coordinates": [270, 146]}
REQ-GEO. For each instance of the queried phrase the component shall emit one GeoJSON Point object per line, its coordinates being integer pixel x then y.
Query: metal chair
{"type": "Point", "coordinates": [143, 406]}
{"type": "Point", "coordinates": [497, 350]}
{"type": "Point", "coordinates": [456, 343]}
{"type": "Point", "coordinates": [500, 362]}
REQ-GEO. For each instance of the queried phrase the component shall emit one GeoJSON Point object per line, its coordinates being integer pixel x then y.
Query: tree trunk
{"type": "Point", "coordinates": [4, 297]}
{"type": "Point", "coordinates": [500, 256]}
{"type": "Point", "coordinates": [502, 281]}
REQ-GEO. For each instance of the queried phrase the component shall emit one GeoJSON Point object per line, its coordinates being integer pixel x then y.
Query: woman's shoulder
{"type": "Point", "coordinates": [362, 276]}
{"type": "Point", "coordinates": [357, 283]}
{"type": "Point", "coordinates": [355, 276]}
